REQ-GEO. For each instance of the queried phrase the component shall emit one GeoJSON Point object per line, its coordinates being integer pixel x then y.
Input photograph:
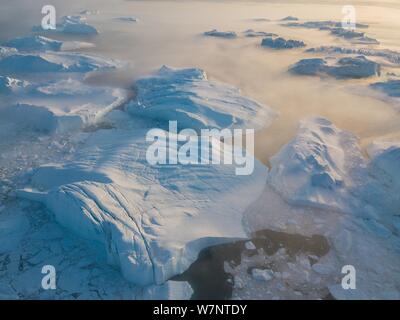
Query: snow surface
{"type": "Point", "coordinates": [188, 97]}
{"type": "Point", "coordinates": [347, 67]}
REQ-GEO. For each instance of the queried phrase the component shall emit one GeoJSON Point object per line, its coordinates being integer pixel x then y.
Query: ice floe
{"type": "Point", "coordinates": [290, 18]}
{"type": "Point", "coordinates": [221, 34]}
{"type": "Point", "coordinates": [281, 43]}
{"type": "Point", "coordinates": [187, 96]}
{"type": "Point", "coordinates": [347, 67]}
{"type": "Point", "coordinates": [127, 19]}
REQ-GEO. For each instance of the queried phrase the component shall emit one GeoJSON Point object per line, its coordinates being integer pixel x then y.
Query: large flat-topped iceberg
{"type": "Point", "coordinates": [347, 67]}
{"type": "Point", "coordinates": [152, 220]}
{"type": "Point", "coordinates": [71, 25]}
{"type": "Point", "coordinates": [188, 97]}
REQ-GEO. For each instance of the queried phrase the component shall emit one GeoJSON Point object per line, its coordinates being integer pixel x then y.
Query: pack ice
{"type": "Point", "coordinates": [152, 221]}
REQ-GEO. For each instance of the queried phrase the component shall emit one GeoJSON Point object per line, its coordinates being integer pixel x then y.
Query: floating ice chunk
{"type": "Point", "coordinates": [389, 55]}
{"type": "Point", "coordinates": [281, 43]}
{"type": "Point", "coordinates": [89, 12]}
{"type": "Point", "coordinates": [390, 87]}
{"type": "Point", "coordinates": [187, 96]}
{"type": "Point", "coordinates": [315, 167]}
{"type": "Point", "coordinates": [10, 85]}
{"type": "Point", "coordinates": [261, 275]}
{"type": "Point", "coordinates": [252, 34]}
{"type": "Point", "coordinates": [221, 34]}
{"type": "Point", "coordinates": [127, 19]}
{"type": "Point", "coordinates": [348, 67]}
{"type": "Point", "coordinates": [250, 245]}
{"type": "Point", "coordinates": [72, 25]}
{"type": "Point", "coordinates": [290, 18]}
{"type": "Point", "coordinates": [151, 220]}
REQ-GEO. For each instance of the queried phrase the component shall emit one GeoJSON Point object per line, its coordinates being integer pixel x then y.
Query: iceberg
{"type": "Point", "coordinates": [221, 34]}
{"type": "Point", "coordinates": [127, 19]}
{"type": "Point", "coordinates": [281, 43]}
{"type": "Point", "coordinates": [290, 18]}
{"type": "Point", "coordinates": [152, 221]}
{"type": "Point", "coordinates": [389, 55]}
{"type": "Point", "coordinates": [15, 62]}
{"type": "Point", "coordinates": [390, 87]}
{"type": "Point", "coordinates": [250, 33]}
{"type": "Point", "coordinates": [71, 25]}
{"type": "Point", "coordinates": [347, 67]}
{"type": "Point", "coordinates": [337, 30]}
{"type": "Point", "coordinates": [187, 96]}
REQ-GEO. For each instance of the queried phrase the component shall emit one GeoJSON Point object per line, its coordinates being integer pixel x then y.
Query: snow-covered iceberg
{"type": "Point", "coordinates": [281, 43]}
{"type": "Point", "coordinates": [316, 167]}
{"type": "Point", "coordinates": [188, 97]}
{"type": "Point", "coordinates": [389, 55]}
{"type": "Point", "coordinates": [347, 67]}
{"type": "Point", "coordinates": [250, 33]}
{"type": "Point", "coordinates": [221, 34]}
{"type": "Point", "coordinates": [71, 25]}
{"type": "Point", "coordinates": [151, 220]}
{"type": "Point", "coordinates": [390, 87]}
{"type": "Point", "coordinates": [337, 30]}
